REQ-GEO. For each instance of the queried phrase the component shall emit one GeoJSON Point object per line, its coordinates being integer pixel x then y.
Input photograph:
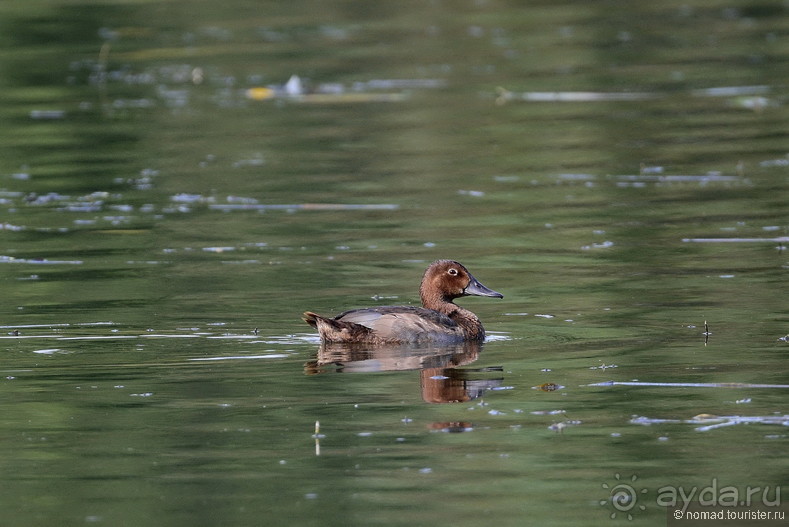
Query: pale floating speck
{"type": "Point", "coordinates": [603, 367]}
{"type": "Point", "coordinates": [51, 351]}
{"type": "Point", "coordinates": [242, 357]}
{"type": "Point", "coordinates": [604, 245]}
{"type": "Point", "coordinates": [548, 412]}
{"type": "Point", "coordinates": [473, 193]}
{"type": "Point", "coordinates": [47, 115]}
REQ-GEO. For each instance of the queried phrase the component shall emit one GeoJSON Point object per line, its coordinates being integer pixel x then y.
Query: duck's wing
{"type": "Point", "coordinates": [403, 323]}
{"type": "Point", "coordinates": [372, 315]}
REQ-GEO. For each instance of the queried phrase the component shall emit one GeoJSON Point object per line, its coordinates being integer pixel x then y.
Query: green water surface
{"type": "Point", "coordinates": [618, 170]}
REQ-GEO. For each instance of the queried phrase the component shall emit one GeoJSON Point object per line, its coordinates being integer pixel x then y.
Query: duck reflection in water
{"type": "Point", "coordinates": [440, 378]}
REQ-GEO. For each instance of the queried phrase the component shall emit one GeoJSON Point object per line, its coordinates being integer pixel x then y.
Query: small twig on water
{"type": "Point", "coordinates": [317, 436]}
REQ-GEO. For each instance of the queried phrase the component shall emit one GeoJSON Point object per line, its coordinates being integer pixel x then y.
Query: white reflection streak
{"type": "Point", "coordinates": [239, 357]}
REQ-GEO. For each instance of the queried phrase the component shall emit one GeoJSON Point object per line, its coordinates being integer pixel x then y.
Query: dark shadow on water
{"type": "Point", "coordinates": [441, 379]}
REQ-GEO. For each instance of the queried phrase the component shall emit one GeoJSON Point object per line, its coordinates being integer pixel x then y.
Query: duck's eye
{"type": "Point", "coordinates": [453, 272]}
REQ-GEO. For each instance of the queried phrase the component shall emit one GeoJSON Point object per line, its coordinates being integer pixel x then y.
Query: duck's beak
{"type": "Point", "coordinates": [477, 289]}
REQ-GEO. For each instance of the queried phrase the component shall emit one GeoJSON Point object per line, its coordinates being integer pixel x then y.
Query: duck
{"type": "Point", "coordinates": [438, 321]}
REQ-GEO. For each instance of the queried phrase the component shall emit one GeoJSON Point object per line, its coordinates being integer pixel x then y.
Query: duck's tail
{"type": "Point", "coordinates": [311, 318]}
{"type": "Point", "coordinates": [332, 330]}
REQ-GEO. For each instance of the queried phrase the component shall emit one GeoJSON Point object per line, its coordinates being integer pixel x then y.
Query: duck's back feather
{"type": "Point", "coordinates": [387, 324]}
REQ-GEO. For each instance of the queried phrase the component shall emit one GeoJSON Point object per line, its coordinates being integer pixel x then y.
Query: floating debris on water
{"type": "Point", "coordinates": [241, 357]}
{"type": "Point", "coordinates": [779, 239]}
{"type": "Point", "coordinates": [603, 245]}
{"type": "Point", "coordinates": [711, 422]}
{"type": "Point", "coordinates": [38, 261]}
{"type": "Point", "coordinates": [504, 96]}
{"type": "Point", "coordinates": [653, 175]}
{"type": "Point", "coordinates": [689, 384]}
{"type": "Point", "coordinates": [782, 162]}
{"type": "Point", "coordinates": [678, 178]}
{"type": "Point", "coordinates": [50, 351]}
{"type": "Point", "coordinates": [559, 427]}
{"type": "Point", "coordinates": [300, 90]}
{"type": "Point", "coordinates": [184, 197]}
{"type": "Point", "coordinates": [317, 434]}
{"type": "Point", "coordinates": [473, 193]}
{"type": "Point", "coordinates": [304, 206]}
{"type": "Point", "coordinates": [252, 162]}
{"type": "Point", "coordinates": [731, 91]}
{"type": "Point", "coordinates": [548, 387]}
{"type": "Point", "coordinates": [738, 93]}
{"type": "Point", "coordinates": [47, 115]}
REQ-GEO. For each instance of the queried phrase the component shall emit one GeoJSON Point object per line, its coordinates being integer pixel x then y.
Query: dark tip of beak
{"type": "Point", "coordinates": [477, 289]}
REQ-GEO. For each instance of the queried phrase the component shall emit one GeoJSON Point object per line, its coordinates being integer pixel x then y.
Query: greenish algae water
{"type": "Point", "coordinates": [617, 171]}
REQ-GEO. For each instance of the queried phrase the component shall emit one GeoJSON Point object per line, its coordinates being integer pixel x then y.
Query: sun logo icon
{"type": "Point", "coordinates": [623, 497]}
